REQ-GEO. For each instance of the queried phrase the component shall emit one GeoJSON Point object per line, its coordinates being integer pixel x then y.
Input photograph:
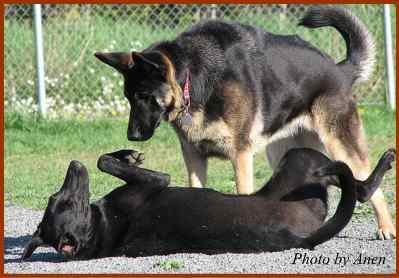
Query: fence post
{"type": "Point", "coordinates": [388, 57]}
{"type": "Point", "coordinates": [41, 90]}
{"type": "Point", "coordinates": [213, 11]}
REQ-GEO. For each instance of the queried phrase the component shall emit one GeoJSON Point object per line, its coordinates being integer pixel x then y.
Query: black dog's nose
{"type": "Point", "coordinates": [76, 177]}
{"type": "Point", "coordinates": [76, 165]}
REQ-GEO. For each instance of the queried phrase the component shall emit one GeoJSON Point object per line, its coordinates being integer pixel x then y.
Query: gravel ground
{"type": "Point", "coordinates": [356, 239]}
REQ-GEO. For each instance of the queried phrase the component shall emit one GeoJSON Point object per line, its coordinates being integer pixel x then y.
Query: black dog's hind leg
{"type": "Point", "coordinates": [123, 165]}
{"type": "Point", "coordinates": [365, 189]}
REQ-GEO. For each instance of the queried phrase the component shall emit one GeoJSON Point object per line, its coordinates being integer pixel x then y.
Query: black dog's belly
{"type": "Point", "coordinates": [242, 239]}
{"type": "Point", "coordinates": [189, 220]}
{"type": "Point", "coordinates": [246, 239]}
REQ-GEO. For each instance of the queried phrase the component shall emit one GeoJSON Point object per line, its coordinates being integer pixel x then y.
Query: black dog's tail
{"type": "Point", "coordinates": [351, 189]}
{"type": "Point", "coordinates": [345, 207]}
{"type": "Point", "coordinates": [360, 58]}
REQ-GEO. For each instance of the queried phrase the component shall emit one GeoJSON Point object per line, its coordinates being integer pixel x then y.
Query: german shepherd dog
{"type": "Point", "coordinates": [146, 217]}
{"type": "Point", "coordinates": [230, 90]}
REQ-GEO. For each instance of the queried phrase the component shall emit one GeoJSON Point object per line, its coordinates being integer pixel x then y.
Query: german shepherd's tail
{"type": "Point", "coordinates": [349, 186]}
{"type": "Point", "coordinates": [360, 57]}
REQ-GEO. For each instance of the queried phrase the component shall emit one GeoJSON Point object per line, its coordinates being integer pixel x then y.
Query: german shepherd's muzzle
{"type": "Point", "coordinates": [145, 85]}
{"type": "Point", "coordinates": [142, 127]}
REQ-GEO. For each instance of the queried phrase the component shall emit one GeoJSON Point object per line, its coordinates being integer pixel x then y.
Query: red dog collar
{"type": "Point", "coordinates": [186, 118]}
{"type": "Point", "coordinates": [186, 91]}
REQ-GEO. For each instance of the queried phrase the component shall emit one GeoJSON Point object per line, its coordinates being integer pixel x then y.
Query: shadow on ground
{"type": "Point", "coordinates": [14, 246]}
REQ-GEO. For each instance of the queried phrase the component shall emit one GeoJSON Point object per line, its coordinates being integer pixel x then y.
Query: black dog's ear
{"type": "Point", "coordinates": [121, 61]}
{"type": "Point", "coordinates": [76, 180]}
{"type": "Point", "coordinates": [35, 242]}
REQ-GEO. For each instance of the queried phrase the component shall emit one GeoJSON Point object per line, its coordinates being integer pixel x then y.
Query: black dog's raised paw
{"type": "Point", "coordinates": [134, 158]}
{"type": "Point", "coordinates": [128, 157]}
{"type": "Point", "coordinates": [388, 157]}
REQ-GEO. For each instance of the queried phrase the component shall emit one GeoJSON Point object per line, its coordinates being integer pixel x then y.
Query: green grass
{"type": "Point", "coordinates": [170, 265]}
{"type": "Point", "coordinates": [37, 154]}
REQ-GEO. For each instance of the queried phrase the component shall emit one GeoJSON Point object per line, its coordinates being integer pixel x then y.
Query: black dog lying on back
{"type": "Point", "coordinates": [146, 217]}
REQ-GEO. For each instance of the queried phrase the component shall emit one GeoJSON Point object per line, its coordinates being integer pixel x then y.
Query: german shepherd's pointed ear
{"type": "Point", "coordinates": [124, 61]}
{"type": "Point", "coordinates": [121, 61]}
{"type": "Point", "coordinates": [150, 63]}
{"type": "Point", "coordinates": [145, 61]}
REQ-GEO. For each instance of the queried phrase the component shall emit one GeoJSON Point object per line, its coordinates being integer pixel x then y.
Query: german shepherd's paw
{"type": "Point", "coordinates": [386, 231]}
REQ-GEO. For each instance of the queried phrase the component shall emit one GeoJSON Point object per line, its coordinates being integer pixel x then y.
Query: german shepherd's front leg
{"type": "Point", "coordinates": [196, 165]}
{"type": "Point", "coordinates": [243, 168]}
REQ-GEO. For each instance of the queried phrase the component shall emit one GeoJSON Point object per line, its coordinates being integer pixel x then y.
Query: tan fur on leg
{"type": "Point", "coordinates": [350, 147]}
{"type": "Point", "coordinates": [385, 224]}
{"type": "Point", "coordinates": [196, 166]}
{"type": "Point", "coordinates": [243, 168]}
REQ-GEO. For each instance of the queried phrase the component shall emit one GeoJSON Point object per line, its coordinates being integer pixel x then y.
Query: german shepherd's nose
{"type": "Point", "coordinates": [134, 134]}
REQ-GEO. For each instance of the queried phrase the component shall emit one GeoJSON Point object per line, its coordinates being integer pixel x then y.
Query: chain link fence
{"type": "Point", "coordinates": [79, 85]}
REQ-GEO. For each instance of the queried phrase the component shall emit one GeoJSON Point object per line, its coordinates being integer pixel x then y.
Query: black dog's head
{"type": "Point", "coordinates": [66, 219]}
{"type": "Point", "coordinates": [150, 86]}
